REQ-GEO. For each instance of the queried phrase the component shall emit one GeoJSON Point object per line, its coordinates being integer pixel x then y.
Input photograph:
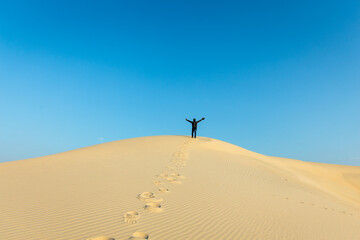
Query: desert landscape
{"type": "Point", "coordinates": [176, 187]}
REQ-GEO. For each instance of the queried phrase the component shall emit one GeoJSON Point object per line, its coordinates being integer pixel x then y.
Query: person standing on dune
{"type": "Point", "coordinates": [194, 126]}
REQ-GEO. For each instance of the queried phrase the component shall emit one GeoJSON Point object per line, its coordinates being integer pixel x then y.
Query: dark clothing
{"type": "Point", "coordinates": [194, 123]}
{"type": "Point", "coordinates": [194, 127]}
{"type": "Point", "coordinates": [193, 133]}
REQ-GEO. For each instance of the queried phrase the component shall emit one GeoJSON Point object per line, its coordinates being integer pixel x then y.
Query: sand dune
{"type": "Point", "coordinates": [175, 187]}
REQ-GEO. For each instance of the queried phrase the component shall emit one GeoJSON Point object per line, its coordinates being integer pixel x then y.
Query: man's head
{"type": "Point", "coordinates": [194, 119]}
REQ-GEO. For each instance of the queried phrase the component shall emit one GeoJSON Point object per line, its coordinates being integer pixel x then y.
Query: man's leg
{"type": "Point", "coordinates": [192, 133]}
{"type": "Point", "coordinates": [195, 133]}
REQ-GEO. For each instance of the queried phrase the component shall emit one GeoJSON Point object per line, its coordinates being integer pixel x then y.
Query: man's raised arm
{"type": "Point", "coordinates": [188, 120]}
{"type": "Point", "coordinates": [200, 120]}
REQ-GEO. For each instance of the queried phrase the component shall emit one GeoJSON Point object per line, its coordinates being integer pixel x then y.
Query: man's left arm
{"type": "Point", "coordinates": [200, 120]}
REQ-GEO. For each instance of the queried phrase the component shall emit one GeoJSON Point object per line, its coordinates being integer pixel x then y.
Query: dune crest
{"type": "Point", "coordinates": [175, 187]}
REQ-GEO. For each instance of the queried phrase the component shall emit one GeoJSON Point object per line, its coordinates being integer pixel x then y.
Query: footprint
{"type": "Point", "coordinates": [149, 197]}
{"type": "Point", "coordinates": [163, 190]}
{"type": "Point", "coordinates": [170, 179]}
{"type": "Point", "coordinates": [175, 175]}
{"type": "Point", "coordinates": [178, 166]}
{"type": "Point", "coordinates": [178, 161]}
{"type": "Point", "coordinates": [139, 235]}
{"type": "Point", "coordinates": [173, 180]}
{"type": "Point", "coordinates": [181, 155]}
{"type": "Point", "coordinates": [157, 182]}
{"type": "Point", "coordinates": [153, 207]}
{"type": "Point", "coordinates": [131, 217]}
{"type": "Point", "coordinates": [163, 175]}
{"type": "Point", "coordinates": [145, 195]}
{"type": "Point", "coordinates": [181, 177]}
{"type": "Point", "coordinates": [101, 238]}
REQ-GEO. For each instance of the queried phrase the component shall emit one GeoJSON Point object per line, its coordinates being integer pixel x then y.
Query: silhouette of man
{"type": "Point", "coordinates": [194, 126]}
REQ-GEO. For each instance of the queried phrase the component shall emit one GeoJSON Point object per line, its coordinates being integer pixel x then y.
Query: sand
{"type": "Point", "coordinates": [175, 187]}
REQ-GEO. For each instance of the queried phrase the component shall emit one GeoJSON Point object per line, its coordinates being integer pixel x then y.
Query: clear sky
{"type": "Point", "coordinates": [281, 78]}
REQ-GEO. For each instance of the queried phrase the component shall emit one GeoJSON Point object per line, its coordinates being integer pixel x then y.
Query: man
{"type": "Point", "coordinates": [194, 126]}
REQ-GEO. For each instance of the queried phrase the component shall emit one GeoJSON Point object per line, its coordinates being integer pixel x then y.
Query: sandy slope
{"type": "Point", "coordinates": [216, 191]}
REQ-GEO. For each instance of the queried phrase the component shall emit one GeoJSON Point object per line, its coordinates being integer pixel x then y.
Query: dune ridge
{"type": "Point", "coordinates": [175, 187]}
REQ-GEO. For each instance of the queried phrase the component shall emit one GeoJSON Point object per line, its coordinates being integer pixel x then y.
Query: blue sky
{"type": "Point", "coordinates": [280, 78]}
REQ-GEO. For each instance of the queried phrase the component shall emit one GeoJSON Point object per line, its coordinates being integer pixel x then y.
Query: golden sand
{"type": "Point", "coordinates": [175, 187]}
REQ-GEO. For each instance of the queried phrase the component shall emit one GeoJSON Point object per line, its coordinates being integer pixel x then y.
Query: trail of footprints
{"type": "Point", "coordinates": [325, 208]}
{"type": "Point", "coordinates": [152, 203]}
